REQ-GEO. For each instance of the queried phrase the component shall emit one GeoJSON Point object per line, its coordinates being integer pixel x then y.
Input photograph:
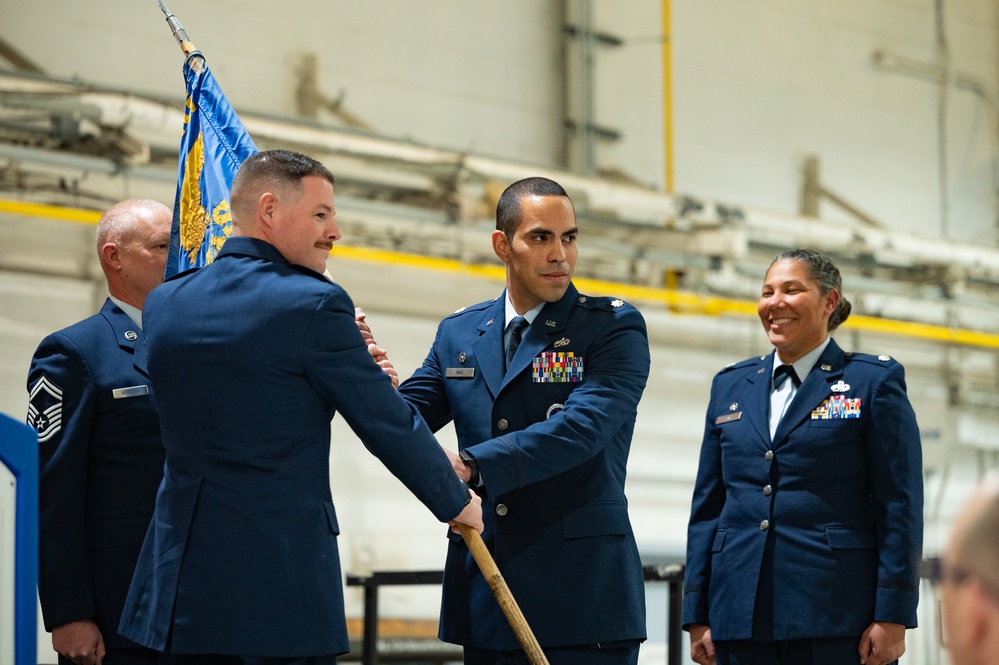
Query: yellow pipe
{"type": "Point", "coordinates": [678, 301]}
{"type": "Point", "coordinates": [668, 93]}
{"type": "Point", "coordinates": [682, 302]}
{"type": "Point", "coordinates": [76, 215]}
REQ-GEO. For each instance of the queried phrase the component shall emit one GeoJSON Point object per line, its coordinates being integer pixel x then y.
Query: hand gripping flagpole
{"type": "Point", "coordinates": [503, 596]}
{"type": "Point", "coordinates": [195, 60]}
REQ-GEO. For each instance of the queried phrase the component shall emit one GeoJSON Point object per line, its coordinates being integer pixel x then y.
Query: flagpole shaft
{"type": "Point", "coordinates": [186, 45]}
{"type": "Point", "coordinates": [503, 596]}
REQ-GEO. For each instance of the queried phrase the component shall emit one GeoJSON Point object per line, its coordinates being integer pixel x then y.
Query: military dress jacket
{"type": "Point", "coordinates": [251, 358]}
{"type": "Point", "coordinates": [839, 490]}
{"type": "Point", "coordinates": [551, 437]}
{"type": "Point", "coordinates": [101, 460]}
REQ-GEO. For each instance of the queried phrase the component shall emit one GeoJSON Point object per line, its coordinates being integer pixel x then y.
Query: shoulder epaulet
{"type": "Point", "coordinates": [602, 302]}
{"type": "Point", "coordinates": [748, 362]}
{"type": "Point", "coordinates": [477, 307]}
{"type": "Point", "coordinates": [311, 273]}
{"type": "Point", "coordinates": [882, 359]}
{"type": "Point", "coordinates": [182, 274]}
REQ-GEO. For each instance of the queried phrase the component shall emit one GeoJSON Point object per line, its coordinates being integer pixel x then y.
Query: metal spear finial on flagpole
{"type": "Point", "coordinates": [195, 60]}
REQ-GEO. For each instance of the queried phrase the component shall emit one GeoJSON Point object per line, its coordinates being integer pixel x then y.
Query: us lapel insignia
{"type": "Point", "coordinates": [130, 335]}
{"type": "Point", "coordinates": [827, 368]}
{"type": "Point", "coordinates": [550, 323]}
{"type": "Point", "coordinates": [462, 357]}
{"type": "Point", "coordinates": [840, 387]}
{"type": "Point", "coordinates": [489, 322]}
{"type": "Point", "coordinates": [560, 343]}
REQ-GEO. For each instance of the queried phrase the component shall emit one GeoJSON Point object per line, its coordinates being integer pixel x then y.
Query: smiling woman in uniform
{"type": "Point", "coordinates": [806, 526]}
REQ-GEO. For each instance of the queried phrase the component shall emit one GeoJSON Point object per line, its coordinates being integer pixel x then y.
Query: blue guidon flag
{"type": "Point", "coordinates": [214, 144]}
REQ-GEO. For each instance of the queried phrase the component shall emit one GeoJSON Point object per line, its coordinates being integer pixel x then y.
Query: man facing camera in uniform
{"type": "Point", "coordinates": [251, 357]}
{"type": "Point", "coordinates": [100, 452]}
{"type": "Point", "coordinates": [543, 385]}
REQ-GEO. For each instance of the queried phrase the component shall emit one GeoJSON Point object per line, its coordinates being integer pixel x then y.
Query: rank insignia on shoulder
{"type": "Point", "coordinates": [617, 303]}
{"type": "Point", "coordinates": [884, 358]}
{"type": "Point", "coordinates": [459, 310]}
{"type": "Point", "coordinates": [45, 409]}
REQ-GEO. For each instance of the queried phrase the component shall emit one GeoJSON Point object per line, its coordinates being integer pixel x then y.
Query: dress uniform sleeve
{"type": "Point", "coordinates": [617, 368]}
{"type": "Point", "coordinates": [895, 458]}
{"type": "Point", "coordinates": [61, 407]}
{"type": "Point", "coordinates": [706, 507]}
{"type": "Point", "coordinates": [425, 389]}
{"type": "Point", "coordinates": [339, 366]}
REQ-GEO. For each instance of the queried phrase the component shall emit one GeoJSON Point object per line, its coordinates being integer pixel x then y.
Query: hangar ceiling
{"type": "Point", "coordinates": [68, 143]}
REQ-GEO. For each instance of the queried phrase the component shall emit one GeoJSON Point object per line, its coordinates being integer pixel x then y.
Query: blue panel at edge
{"type": "Point", "coordinates": [19, 452]}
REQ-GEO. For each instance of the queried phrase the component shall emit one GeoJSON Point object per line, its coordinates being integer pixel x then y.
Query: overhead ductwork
{"type": "Point", "coordinates": [712, 246]}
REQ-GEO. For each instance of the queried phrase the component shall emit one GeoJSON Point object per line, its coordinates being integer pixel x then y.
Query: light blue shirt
{"type": "Point", "coordinates": [133, 312]}
{"type": "Point", "coordinates": [511, 313]}
{"type": "Point", "coordinates": [780, 398]}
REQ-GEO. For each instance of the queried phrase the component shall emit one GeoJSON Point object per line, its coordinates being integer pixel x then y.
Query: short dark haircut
{"type": "Point", "coordinates": [823, 272]}
{"type": "Point", "coordinates": [508, 208]}
{"type": "Point", "coordinates": [272, 168]}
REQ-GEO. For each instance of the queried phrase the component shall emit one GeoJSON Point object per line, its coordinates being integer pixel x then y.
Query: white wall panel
{"type": "Point", "coordinates": [480, 76]}
{"type": "Point", "coordinates": [758, 86]}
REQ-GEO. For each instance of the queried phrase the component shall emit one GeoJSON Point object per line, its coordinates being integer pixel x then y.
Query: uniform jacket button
{"type": "Point", "coordinates": [501, 509]}
{"type": "Point", "coordinates": [502, 424]}
{"type": "Point", "coordinates": [764, 525]}
{"type": "Point", "coordinates": [767, 490]}
{"type": "Point", "coordinates": [769, 456]}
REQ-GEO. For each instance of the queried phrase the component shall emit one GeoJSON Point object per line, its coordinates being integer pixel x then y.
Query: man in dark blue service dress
{"type": "Point", "coordinates": [806, 525]}
{"type": "Point", "coordinates": [100, 450]}
{"type": "Point", "coordinates": [543, 385]}
{"type": "Point", "coordinates": [251, 357]}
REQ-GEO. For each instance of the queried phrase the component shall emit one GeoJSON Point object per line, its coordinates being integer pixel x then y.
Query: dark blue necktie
{"type": "Point", "coordinates": [783, 372]}
{"type": "Point", "coordinates": [514, 332]}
